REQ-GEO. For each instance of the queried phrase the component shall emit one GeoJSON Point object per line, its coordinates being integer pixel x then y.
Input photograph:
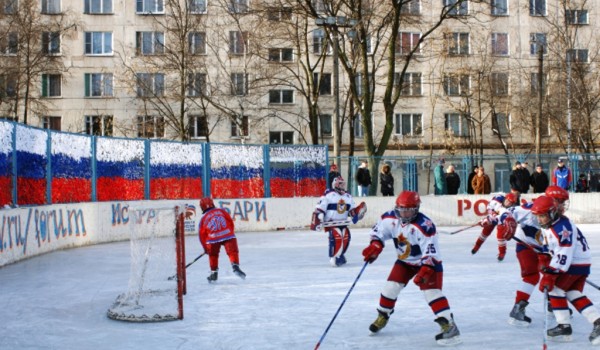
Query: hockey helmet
{"type": "Point", "coordinates": [511, 199]}
{"type": "Point", "coordinates": [206, 203]}
{"type": "Point", "coordinates": [407, 206]}
{"type": "Point", "coordinates": [339, 184]}
{"type": "Point", "coordinates": [560, 195]}
{"type": "Point", "coordinates": [544, 208]}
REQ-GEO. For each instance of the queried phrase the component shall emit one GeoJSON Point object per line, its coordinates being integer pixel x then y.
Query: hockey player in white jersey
{"type": "Point", "coordinates": [416, 242]}
{"type": "Point", "coordinates": [337, 205]}
{"type": "Point", "coordinates": [490, 222]}
{"type": "Point", "coordinates": [565, 275]}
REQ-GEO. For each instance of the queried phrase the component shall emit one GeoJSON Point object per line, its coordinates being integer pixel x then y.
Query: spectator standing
{"type": "Point", "coordinates": [363, 179]}
{"type": "Point", "coordinates": [386, 179]}
{"type": "Point", "coordinates": [539, 180]}
{"type": "Point", "coordinates": [470, 180]}
{"type": "Point", "coordinates": [452, 180]}
{"type": "Point", "coordinates": [333, 173]}
{"type": "Point", "coordinates": [561, 176]}
{"type": "Point", "coordinates": [582, 184]}
{"type": "Point", "coordinates": [440, 186]}
{"type": "Point", "coordinates": [481, 182]}
{"type": "Point", "coordinates": [519, 178]}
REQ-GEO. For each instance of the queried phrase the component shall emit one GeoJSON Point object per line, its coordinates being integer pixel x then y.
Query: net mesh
{"type": "Point", "coordinates": [152, 293]}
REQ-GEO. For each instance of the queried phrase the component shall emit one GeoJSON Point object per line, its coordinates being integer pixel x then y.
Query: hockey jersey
{"type": "Point", "coordinates": [215, 226]}
{"type": "Point", "coordinates": [528, 228]}
{"type": "Point", "coordinates": [569, 248]}
{"type": "Point", "coordinates": [494, 207]}
{"type": "Point", "coordinates": [335, 206]}
{"type": "Point", "coordinates": [416, 242]}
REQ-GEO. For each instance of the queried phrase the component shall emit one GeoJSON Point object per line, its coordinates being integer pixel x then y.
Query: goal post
{"type": "Point", "coordinates": [157, 247]}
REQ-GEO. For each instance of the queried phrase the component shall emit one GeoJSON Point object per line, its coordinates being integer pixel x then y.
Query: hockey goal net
{"type": "Point", "coordinates": [157, 271]}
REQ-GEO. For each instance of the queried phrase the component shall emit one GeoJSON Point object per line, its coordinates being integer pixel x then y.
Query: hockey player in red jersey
{"type": "Point", "coordinates": [337, 205]}
{"type": "Point", "coordinates": [416, 241]}
{"type": "Point", "coordinates": [216, 229]}
{"type": "Point", "coordinates": [565, 273]}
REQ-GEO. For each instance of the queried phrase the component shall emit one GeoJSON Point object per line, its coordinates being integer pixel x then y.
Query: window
{"type": "Point", "coordinates": [457, 84]}
{"type": "Point", "coordinates": [576, 16]}
{"type": "Point", "coordinates": [51, 85]}
{"type": "Point", "coordinates": [359, 84]}
{"type": "Point", "coordinates": [322, 83]}
{"type": "Point", "coordinates": [8, 7]}
{"type": "Point", "coordinates": [99, 125]}
{"type": "Point", "coordinates": [501, 124]}
{"type": "Point", "coordinates": [535, 83]}
{"type": "Point", "coordinates": [499, 83]}
{"type": "Point", "coordinates": [325, 125]}
{"type": "Point", "coordinates": [456, 124]}
{"type": "Point", "coordinates": [50, 7]}
{"type": "Point", "coordinates": [51, 122]}
{"type": "Point", "coordinates": [149, 6]}
{"type": "Point", "coordinates": [51, 43]}
{"type": "Point", "coordinates": [278, 14]}
{"type": "Point", "coordinates": [239, 126]}
{"type": "Point", "coordinates": [151, 126]}
{"type": "Point", "coordinates": [545, 126]}
{"type": "Point", "coordinates": [98, 7]}
{"type": "Point", "coordinates": [537, 7]}
{"type": "Point", "coordinates": [577, 56]}
{"type": "Point", "coordinates": [197, 43]}
{"type": "Point", "coordinates": [281, 96]}
{"type": "Point", "coordinates": [411, 85]}
{"type": "Point", "coordinates": [8, 85]}
{"type": "Point", "coordinates": [239, 84]}
{"type": "Point", "coordinates": [281, 55]}
{"type": "Point", "coordinates": [238, 6]}
{"type": "Point", "coordinates": [197, 6]}
{"type": "Point", "coordinates": [500, 44]}
{"type": "Point", "coordinates": [98, 84]}
{"type": "Point", "coordinates": [499, 7]}
{"type": "Point", "coordinates": [238, 42]}
{"type": "Point", "coordinates": [319, 42]}
{"type": "Point", "coordinates": [320, 6]}
{"type": "Point", "coordinates": [150, 43]}
{"type": "Point", "coordinates": [412, 7]}
{"type": "Point", "coordinates": [406, 42]}
{"type": "Point", "coordinates": [149, 84]}
{"type": "Point", "coordinates": [408, 124]}
{"type": "Point", "coordinates": [197, 126]}
{"type": "Point", "coordinates": [458, 44]}
{"type": "Point", "coordinates": [359, 131]}
{"type": "Point", "coordinates": [9, 43]}
{"type": "Point", "coordinates": [457, 7]}
{"type": "Point", "coordinates": [281, 137]}
{"type": "Point", "coordinates": [98, 43]}
{"type": "Point", "coordinates": [537, 41]}
{"type": "Point", "coordinates": [196, 84]}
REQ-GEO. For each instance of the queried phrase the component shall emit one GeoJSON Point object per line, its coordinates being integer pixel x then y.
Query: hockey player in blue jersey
{"type": "Point", "coordinates": [416, 242]}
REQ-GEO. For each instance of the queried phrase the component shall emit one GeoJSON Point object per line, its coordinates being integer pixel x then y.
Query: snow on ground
{"type": "Point", "coordinates": [59, 300]}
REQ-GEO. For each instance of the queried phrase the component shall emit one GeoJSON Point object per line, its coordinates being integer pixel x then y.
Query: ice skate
{"type": "Point", "coordinates": [213, 276]}
{"type": "Point", "coordinates": [476, 247]}
{"type": "Point", "coordinates": [238, 271]}
{"type": "Point", "coordinates": [380, 322]}
{"type": "Point", "coordinates": [450, 334]}
{"type": "Point", "coordinates": [595, 335]}
{"type": "Point", "coordinates": [517, 315]}
{"type": "Point", "coordinates": [501, 253]}
{"type": "Point", "coordinates": [562, 333]}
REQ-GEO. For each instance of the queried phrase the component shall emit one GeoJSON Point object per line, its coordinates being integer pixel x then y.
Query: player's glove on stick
{"type": "Point", "coordinates": [424, 274]}
{"type": "Point", "coordinates": [359, 212]}
{"type": "Point", "coordinates": [315, 223]}
{"type": "Point", "coordinates": [548, 279]}
{"type": "Point", "coordinates": [372, 251]}
{"type": "Point", "coordinates": [510, 226]}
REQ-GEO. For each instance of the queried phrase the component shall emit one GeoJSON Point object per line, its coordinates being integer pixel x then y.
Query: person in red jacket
{"type": "Point", "coordinates": [216, 230]}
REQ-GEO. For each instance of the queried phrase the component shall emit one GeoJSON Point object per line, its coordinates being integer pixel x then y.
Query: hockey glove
{"type": "Point", "coordinates": [484, 222]}
{"type": "Point", "coordinates": [548, 280]}
{"type": "Point", "coordinates": [315, 223]}
{"type": "Point", "coordinates": [372, 251]}
{"type": "Point", "coordinates": [510, 226]}
{"type": "Point", "coordinates": [358, 212]}
{"type": "Point", "coordinates": [424, 274]}
{"type": "Point", "coordinates": [543, 261]}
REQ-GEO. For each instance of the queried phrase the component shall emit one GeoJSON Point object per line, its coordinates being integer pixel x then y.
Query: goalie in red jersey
{"type": "Point", "coordinates": [216, 229]}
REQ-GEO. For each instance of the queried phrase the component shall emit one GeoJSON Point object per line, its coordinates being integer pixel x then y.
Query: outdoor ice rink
{"type": "Point", "coordinates": [59, 300]}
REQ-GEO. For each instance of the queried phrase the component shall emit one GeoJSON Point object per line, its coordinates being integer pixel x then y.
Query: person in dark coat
{"type": "Point", "coordinates": [582, 184]}
{"type": "Point", "coordinates": [452, 180]}
{"type": "Point", "coordinates": [470, 180]}
{"type": "Point", "coordinates": [539, 180]}
{"type": "Point", "coordinates": [333, 173]}
{"type": "Point", "coordinates": [386, 179]}
{"type": "Point", "coordinates": [519, 178]}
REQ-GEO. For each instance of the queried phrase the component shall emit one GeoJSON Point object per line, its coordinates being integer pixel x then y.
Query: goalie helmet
{"type": "Point", "coordinates": [545, 205]}
{"type": "Point", "coordinates": [407, 202]}
{"type": "Point", "coordinates": [339, 185]}
{"type": "Point", "coordinates": [206, 203]}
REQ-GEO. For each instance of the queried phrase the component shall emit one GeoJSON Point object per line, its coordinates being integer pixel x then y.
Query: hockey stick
{"type": "Point", "coordinates": [544, 345]}
{"type": "Point", "coordinates": [341, 305]}
{"type": "Point", "coordinates": [461, 230]}
{"type": "Point", "coordinates": [186, 266]}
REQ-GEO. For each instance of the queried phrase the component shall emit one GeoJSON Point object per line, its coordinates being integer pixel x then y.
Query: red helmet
{"type": "Point", "coordinates": [557, 192]}
{"type": "Point", "coordinates": [206, 203]}
{"type": "Point", "coordinates": [513, 198]}
{"type": "Point", "coordinates": [407, 201]}
{"type": "Point", "coordinates": [545, 205]}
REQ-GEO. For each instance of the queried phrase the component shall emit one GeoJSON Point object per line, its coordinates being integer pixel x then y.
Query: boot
{"type": "Point", "coordinates": [450, 334]}
{"type": "Point", "coordinates": [595, 335]}
{"type": "Point", "coordinates": [517, 315]}
{"type": "Point", "coordinates": [380, 321]}
{"type": "Point", "coordinates": [501, 252]}
{"type": "Point", "coordinates": [213, 276]}
{"type": "Point", "coordinates": [238, 271]}
{"type": "Point", "coordinates": [478, 244]}
{"type": "Point", "coordinates": [562, 332]}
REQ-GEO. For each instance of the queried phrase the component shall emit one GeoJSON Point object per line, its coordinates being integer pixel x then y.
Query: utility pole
{"type": "Point", "coordinates": [539, 46]}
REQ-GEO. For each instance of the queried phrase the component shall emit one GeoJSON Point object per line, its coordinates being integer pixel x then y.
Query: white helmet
{"type": "Point", "coordinates": [339, 185]}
